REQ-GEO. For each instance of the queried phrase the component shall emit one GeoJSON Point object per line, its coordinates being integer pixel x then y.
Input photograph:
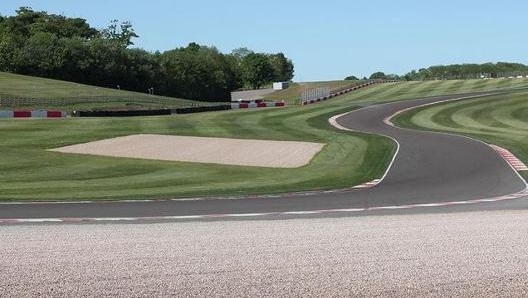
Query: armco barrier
{"type": "Point", "coordinates": [262, 104]}
{"type": "Point", "coordinates": [201, 109]}
{"type": "Point", "coordinates": [22, 114]}
{"type": "Point", "coordinates": [31, 114]}
{"type": "Point", "coordinates": [159, 112]}
{"type": "Point", "coordinates": [124, 113]}
{"type": "Point", "coordinates": [55, 114]}
{"type": "Point", "coordinates": [6, 114]}
{"type": "Point", "coordinates": [39, 114]}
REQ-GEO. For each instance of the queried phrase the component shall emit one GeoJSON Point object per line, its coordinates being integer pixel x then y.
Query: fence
{"type": "Point", "coordinates": [315, 94]}
{"type": "Point", "coordinates": [9, 102]}
{"type": "Point", "coordinates": [320, 94]}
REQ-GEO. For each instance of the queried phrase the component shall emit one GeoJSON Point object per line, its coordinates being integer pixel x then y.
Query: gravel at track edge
{"type": "Point", "coordinates": [434, 255]}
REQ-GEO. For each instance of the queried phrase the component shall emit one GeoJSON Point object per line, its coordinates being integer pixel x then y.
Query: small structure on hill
{"type": "Point", "coordinates": [280, 85]}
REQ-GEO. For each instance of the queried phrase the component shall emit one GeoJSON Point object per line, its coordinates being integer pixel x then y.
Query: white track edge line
{"type": "Point", "coordinates": [333, 122]}
{"type": "Point", "coordinates": [252, 215]}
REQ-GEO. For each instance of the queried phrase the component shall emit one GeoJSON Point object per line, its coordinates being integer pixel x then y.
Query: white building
{"type": "Point", "coordinates": [280, 85]}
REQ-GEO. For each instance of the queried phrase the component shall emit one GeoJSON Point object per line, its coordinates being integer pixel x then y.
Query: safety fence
{"type": "Point", "coordinates": [321, 94]}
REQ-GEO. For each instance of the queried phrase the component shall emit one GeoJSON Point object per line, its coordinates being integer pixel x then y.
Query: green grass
{"type": "Point", "coordinates": [500, 120]}
{"type": "Point", "coordinates": [18, 91]}
{"type": "Point", "coordinates": [29, 172]}
{"type": "Point", "coordinates": [409, 90]}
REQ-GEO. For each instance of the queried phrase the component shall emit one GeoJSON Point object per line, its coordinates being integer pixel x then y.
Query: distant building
{"type": "Point", "coordinates": [280, 85]}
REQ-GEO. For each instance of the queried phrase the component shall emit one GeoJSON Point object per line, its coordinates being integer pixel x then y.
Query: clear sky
{"type": "Point", "coordinates": [326, 40]}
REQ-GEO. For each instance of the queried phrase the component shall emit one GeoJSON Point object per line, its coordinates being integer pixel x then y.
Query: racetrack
{"type": "Point", "coordinates": [429, 168]}
{"type": "Point", "coordinates": [404, 254]}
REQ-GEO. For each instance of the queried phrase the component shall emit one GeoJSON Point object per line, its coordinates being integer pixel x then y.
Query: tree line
{"type": "Point", "coordinates": [468, 71]}
{"type": "Point", "coordinates": [54, 46]}
{"type": "Point", "coordinates": [456, 72]}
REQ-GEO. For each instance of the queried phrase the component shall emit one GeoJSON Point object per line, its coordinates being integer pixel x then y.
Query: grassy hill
{"type": "Point", "coordinates": [400, 90]}
{"type": "Point", "coordinates": [17, 91]}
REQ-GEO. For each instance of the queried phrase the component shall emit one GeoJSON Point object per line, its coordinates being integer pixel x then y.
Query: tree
{"type": "Point", "coordinates": [122, 33]}
{"type": "Point", "coordinates": [377, 75]}
{"type": "Point", "coordinates": [76, 60]}
{"type": "Point", "coordinates": [8, 54]}
{"type": "Point", "coordinates": [55, 46]}
{"type": "Point", "coordinates": [351, 78]}
{"type": "Point", "coordinates": [141, 70]}
{"type": "Point", "coordinates": [62, 27]}
{"type": "Point", "coordinates": [240, 53]}
{"type": "Point", "coordinates": [392, 77]}
{"type": "Point", "coordinates": [40, 55]}
{"type": "Point", "coordinates": [282, 67]}
{"type": "Point", "coordinates": [256, 70]}
{"type": "Point", "coordinates": [199, 72]}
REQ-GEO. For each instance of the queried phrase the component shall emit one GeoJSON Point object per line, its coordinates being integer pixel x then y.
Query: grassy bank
{"type": "Point", "coordinates": [29, 172]}
{"type": "Point", "coordinates": [500, 120]}
{"type": "Point", "coordinates": [18, 91]}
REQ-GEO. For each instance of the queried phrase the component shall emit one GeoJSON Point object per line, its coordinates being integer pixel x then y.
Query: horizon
{"type": "Point", "coordinates": [405, 36]}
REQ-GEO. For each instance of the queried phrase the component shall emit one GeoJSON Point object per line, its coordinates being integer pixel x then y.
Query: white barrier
{"type": "Point", "coordinates": [6, 114]}
{"type": "Point", "coordinates": [39, 114]}
{"type": "Point", "coordinates": [32, 114]}
{"type": "Point", "coordinates": [253, 105]}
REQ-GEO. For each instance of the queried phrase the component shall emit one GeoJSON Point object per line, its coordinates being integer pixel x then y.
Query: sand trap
{"type": "Point", "coordinates": [277, 154]}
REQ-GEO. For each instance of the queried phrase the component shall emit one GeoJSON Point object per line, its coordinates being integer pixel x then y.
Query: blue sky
{"type": "Point", "coordinates": [326, 40]}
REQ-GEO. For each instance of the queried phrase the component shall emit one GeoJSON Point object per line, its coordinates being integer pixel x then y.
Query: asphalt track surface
{"type": "Point", "coordinates": [428, 168]}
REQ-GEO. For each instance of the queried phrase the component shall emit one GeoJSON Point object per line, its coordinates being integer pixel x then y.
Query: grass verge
{"type": "Point", "coordinates": [31, 173]}
{"type": "Point", "coordinates": [17, 91]}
